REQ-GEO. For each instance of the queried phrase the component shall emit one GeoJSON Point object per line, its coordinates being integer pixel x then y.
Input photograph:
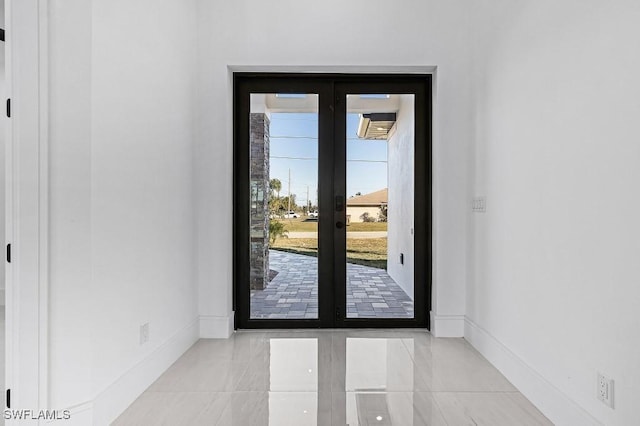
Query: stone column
{"type": "Point", "coordinates": [259, 209]}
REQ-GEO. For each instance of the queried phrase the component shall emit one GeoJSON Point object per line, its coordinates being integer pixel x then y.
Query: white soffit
{"type": "Point", "coordinates": [309, 103]}
{"type": "Point", "coordinates": [288, 103]}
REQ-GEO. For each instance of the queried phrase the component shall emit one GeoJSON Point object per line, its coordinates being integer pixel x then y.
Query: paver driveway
{"type": "Point", "coordinates": [293, 293]}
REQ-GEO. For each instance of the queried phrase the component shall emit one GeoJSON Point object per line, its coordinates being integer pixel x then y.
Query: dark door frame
{"type": "Point", "coordinates": [332, 90]}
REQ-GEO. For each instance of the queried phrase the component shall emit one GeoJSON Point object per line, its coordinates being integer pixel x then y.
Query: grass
{"type": "Point", "coordinates": [302, 225]}
{"type": "Point", "coordinates": [362, 251]}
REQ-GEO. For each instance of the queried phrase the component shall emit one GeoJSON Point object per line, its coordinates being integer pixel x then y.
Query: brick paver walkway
{"type": "Point", "coordinates": [293, 293]}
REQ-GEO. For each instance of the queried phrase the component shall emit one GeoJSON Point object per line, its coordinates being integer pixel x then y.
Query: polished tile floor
{"type": "Point", "coordinates": [332, 377]}
{"type": "Point", "coordinates": [293, 292]}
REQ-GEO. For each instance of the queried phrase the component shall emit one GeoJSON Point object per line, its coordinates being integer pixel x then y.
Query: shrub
{"type": "Point", "coordinates": [277, 229]}
{"type": "Point", "coordinates": [367, 218]}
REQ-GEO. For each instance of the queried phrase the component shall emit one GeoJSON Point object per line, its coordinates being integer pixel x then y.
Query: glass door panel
{"type": "Point", "coordinates": [380, 205]}
{"type": "Point", "coordinates": [332, 210]}
{"type": "Point", "coordinates": [283, 213]}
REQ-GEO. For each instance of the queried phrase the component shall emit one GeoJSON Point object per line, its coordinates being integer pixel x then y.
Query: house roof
{"type": "Point", "coordinates": [372, 199]}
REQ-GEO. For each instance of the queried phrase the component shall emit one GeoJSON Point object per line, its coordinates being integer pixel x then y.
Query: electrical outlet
{"type": "Point", "coordinates": [479, 205]}
{"type": "Point", "coordinates": [144, 333]}
{"type": "Point", "coordinates": [604, 391]}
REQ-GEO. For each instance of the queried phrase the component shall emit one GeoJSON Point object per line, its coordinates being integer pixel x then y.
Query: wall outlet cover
{"type": "Point", "coordinates": [604, 390]}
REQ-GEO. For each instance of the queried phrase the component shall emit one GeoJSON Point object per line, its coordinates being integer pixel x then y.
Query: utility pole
{"type": "Point", "coordinates": [308, 201]}
{"type": "Point", "coordinates": [289, 207]}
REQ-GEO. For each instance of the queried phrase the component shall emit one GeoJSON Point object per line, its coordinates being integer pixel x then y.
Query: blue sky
{"type": "Point", "coordinates": [295, 136]}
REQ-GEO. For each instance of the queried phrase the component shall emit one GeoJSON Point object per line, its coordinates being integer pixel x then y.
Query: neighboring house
{"type": "Point", "coordinates": [367, 203]}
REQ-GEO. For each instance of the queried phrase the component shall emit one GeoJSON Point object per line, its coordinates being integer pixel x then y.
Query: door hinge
{"type": "Point", "coordinates": [8, 253]}
{"type": "Point", "coordinates": [9, 108]}
{"type": "Point", "coordinates": [8, 398]}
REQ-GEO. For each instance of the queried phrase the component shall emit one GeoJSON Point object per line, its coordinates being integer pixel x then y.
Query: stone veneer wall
{"type": "Point", "coordinates": [259, 211]}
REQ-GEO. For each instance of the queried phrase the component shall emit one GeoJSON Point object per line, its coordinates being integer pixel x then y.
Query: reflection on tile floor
{"type": "Point", "coordinates": [332, 377]}
{"type": "Point", "coordinates": [293, 293]}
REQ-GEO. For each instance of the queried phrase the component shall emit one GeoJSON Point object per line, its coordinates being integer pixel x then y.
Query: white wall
{"type": "Point", "coordinates": [548, 275]}
{"type": "Point", "coordinates": [549, 271]}
{"type": "Point", "coordinates": [122, 224]}
{"type": "Point", "coordinates": [554, 278]}
{"type": "Point", "coordinates": [71, 306]}
{"type": "Point", "coordinates": [400, 220]}
{"type": "Point", "coordinates": [3, 138]}
{"type": "Point", "coordinates": [331, 35]}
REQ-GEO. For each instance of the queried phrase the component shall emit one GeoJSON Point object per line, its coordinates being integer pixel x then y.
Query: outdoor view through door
{"type": "Point", "coordinates": [380, 206]}
{"type": "Point", "coordinates": [332, 210]}
{"type": "Point", "coordinates": [284, 205]}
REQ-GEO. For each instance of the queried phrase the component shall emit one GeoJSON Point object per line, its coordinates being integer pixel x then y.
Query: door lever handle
{"type": "Point", "coordinates": [339, 225]}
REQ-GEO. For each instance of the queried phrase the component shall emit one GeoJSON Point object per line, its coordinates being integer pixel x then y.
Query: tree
{"type": "Point", "coordinates": [294, 206]}
{"type": "Point", "coordinates": [275, 203]}
{"type": "Point", "coordinates": [382, 214]}
{"type": "Point", "coordinates": [276, 186]}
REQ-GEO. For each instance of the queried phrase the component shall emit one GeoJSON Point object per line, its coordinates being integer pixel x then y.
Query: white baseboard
{"type": "Point", "coordinates": [552, 402]}
{"type": "Point", "coordinates": [447, 325]}
{"type": "Point", "coordinates": [214, 327]}
{"type": "Point", "coordinates": [113, 400]}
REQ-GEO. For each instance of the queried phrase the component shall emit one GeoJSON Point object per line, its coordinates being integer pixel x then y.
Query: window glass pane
{"type": "Point", "coordinates": [284, 206]}
{"type": "Point", "coordinates": [380, 197]}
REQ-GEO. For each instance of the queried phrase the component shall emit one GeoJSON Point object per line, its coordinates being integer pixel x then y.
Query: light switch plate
{"type": "Point", "coordinates": [144, 333]}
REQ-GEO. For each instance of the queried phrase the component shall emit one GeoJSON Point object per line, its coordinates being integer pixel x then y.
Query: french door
{"type": "Point", "coordinates": [332, 200]}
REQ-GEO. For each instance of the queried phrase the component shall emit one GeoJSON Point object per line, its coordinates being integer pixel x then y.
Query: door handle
{"type": "Point", "coordinates": [339, 225]}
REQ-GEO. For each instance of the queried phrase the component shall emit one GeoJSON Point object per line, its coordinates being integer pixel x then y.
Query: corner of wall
{"type": "Point", "coordinates": [115, 398]}
{"type": "Point", "coordinates": [447, 325]}
{"type": "Point", "coordinates": [552, 402]}
{"type": "Point", "coordinates": [216, 327]}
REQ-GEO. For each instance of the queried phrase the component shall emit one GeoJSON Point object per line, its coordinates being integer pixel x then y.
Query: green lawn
{"type": "Point", "coordinates": [301, 225]}
{"type": "Point", "coordinates": [362, 251]}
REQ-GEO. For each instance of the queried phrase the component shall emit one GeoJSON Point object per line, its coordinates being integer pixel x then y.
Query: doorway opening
{"type": "Point", "coordinates": [332, 200]}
